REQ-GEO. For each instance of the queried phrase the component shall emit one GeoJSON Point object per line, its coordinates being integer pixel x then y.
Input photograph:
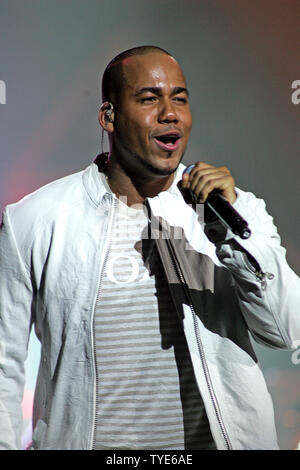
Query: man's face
{"type": "Point", "coordinates": [152, 119]}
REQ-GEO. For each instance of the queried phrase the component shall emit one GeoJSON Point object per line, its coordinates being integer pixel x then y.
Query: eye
{"type": "Point", "coordinates": [148, 99]}
{"type": "Point", "coordinates": [181, 99]}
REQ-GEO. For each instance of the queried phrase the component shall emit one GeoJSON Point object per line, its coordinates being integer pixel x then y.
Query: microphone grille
{"type": "Point", "coordinates": [188, 169]}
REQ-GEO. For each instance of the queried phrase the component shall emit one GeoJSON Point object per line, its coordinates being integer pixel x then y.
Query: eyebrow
{"type": "Point", "coordinates": [157, 91]}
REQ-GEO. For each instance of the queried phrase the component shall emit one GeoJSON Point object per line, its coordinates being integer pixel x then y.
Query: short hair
{"type": "Point", "coordinates": [113, 79]}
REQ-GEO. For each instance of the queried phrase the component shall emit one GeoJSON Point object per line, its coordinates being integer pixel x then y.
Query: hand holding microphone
{"type": "Point", "coordinates": [215, 187]}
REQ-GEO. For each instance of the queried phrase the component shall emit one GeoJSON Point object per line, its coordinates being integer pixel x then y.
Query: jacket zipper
{"type": "Point", "coordinates": [209, 383]}
{"type": "Point", "coordinates": [201, 352]}
{"type": "Point", "coordinates": [252, 265]}
{"type": "Point", "coordinates": [100, 277]}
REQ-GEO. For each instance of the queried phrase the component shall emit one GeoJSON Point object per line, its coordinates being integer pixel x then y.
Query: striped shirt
{"type": "Point", "coordinates": [147, 397]}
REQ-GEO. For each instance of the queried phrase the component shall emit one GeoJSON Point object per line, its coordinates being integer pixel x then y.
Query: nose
{"type": "Point", "coordinates": [167, 112]}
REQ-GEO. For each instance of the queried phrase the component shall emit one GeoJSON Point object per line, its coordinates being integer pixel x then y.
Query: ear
{"type": "Point", "coordinates": [106, 117]}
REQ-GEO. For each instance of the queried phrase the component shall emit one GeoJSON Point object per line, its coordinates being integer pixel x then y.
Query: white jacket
{"type": "Point", "coordinates": [52, 250]}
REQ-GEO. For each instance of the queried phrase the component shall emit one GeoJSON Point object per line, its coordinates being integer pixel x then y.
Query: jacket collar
{"type": "Point", "coordinates": [95, 184]}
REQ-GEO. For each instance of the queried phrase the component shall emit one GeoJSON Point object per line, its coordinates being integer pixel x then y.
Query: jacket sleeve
{"type": "Point", "coordinates": [268, 289]}
{"type": "Point", "coordinates": [15, 324]}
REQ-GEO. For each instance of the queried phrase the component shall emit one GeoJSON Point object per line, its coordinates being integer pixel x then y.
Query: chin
{"type": "Point", "coordinates": [169, 165]}
{"type": "Point", "coordinates": [163, 170]}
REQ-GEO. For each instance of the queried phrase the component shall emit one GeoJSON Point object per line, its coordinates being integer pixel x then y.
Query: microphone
{"type": "Point", "coordinates": [224, 211]}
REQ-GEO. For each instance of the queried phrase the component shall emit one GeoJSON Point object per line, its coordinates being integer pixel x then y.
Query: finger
{"type": "Point", "coordinates": [185, 180]}
{"type": "Point", "coordinates": [200, 166]}
{"type": "Point", "coordinates": [188, 176]}
{"type": "Point", "coordinates": [225, 184]}
{"type": "Point", "coordinates": [199, 179]}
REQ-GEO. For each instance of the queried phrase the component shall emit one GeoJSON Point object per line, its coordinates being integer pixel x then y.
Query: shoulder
{"type": "Point", "coordinates": [43, 205]}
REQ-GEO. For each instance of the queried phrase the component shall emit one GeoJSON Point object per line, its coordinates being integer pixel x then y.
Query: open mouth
{"type": "Point", "coordinates": [168, 142]}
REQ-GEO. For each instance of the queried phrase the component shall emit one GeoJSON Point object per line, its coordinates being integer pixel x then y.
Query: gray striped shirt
{"type": "Point", "coordinates": [147, 397]}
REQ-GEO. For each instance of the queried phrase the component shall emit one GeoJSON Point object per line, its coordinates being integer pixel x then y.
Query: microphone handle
{"type": "Point", "coordinates": [228, 215]}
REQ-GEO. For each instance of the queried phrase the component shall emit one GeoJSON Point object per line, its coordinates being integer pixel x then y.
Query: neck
{"type": "Point", "coordinates": [135, 189]}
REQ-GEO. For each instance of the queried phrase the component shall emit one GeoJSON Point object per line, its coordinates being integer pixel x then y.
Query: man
{"type": "Point", "coordinates": [143, 321]}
